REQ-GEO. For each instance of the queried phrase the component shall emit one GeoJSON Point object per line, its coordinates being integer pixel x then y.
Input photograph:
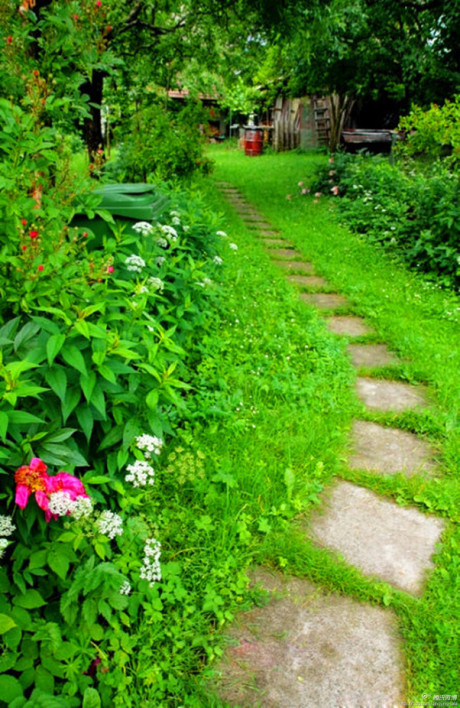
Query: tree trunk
{"type": "Point", "coordinates": [92, 125]}
{"type": "Point", "coordinates": [339, 107]}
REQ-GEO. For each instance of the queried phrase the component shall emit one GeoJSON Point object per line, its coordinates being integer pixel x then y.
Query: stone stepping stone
{"type": "Point", "coordinates": [349, 326]}
{"type": "Point", "coordinates": [377, 536]}
{"type": "Point", "coordinates": [268, 232]}
{"type": "Point", "coordinates": [324, 301]}
{"type": "Point", "coordinates": [382, 395]}
{"type": "Point", "coordinates": [285, 253]}
{"type": "Point", "coordinates": [388, 450]}
{"type": "Point", "coordinates": [308, 281]}
{"type": "Point", "coordinates": [299, 266]}
{"type": "Point", "coordinates": [274, 242]}
{"type": "Point", "coordinates": [306, 649]}
{"type": "Point", "coordinates": [371, 355]}
{"type": "Point", "coordinates": [258, 225]}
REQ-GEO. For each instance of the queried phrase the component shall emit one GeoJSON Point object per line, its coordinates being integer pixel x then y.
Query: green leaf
{"type": "Point", "coordinates": [58, 562]}
{"type": "Point", "coordinates": [29, 600]}
{"type": "Point", "coordinates": [152, 399]}
{"type": "Point", "coordinates": [3, 425]}
{"type": "Point", "coordinates": [23, 418]}
{"type": "Point", "coordinates": [98, 400]}
{"type": "Point", "coordinates": [74, 358]}
{"type": "Point", "coordinates": [6, 623]}
{"type": "Point", "coordinates": [91, 698]}
{"type": "Point", "coordinates": [86, 420]}
{"type": "Point", "coordinates": [87, 384]}
{"type": "Point", "coordinates": [57, 380]}
{"type": "Point", "coordinates": [71, 401]}
{"type": "Point", "coordinates": [54, 346]}
{"type": "Point", "coordinates": [112, 438]}
{"type": "Point", "coordinates": [10, 688]}
{"type": "Point", "coordinates": [44, 681]}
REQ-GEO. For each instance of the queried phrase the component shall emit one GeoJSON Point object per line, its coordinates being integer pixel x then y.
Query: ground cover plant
{"type": "Point", "coordinates": [420, 322]}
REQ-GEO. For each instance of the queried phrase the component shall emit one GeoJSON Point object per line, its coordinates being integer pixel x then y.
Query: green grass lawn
{"type": "Point", "coordinates": [277, 398]}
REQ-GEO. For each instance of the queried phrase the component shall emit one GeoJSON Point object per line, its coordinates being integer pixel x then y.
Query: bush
{"type": "Point", "coordinates": [433, 133]}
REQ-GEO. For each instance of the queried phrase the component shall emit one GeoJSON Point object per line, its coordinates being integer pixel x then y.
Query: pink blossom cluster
{"type": "Point", "coordinates": [33, 479]}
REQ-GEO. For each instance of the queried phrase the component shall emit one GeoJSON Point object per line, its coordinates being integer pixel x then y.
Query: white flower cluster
{"type": "Point", "coordinates": [110, 524]}
{"type": "Point", "coordinates": [61, 503]}
{"type": "Point", "coordinates": [82, 507]}
{"type": "Point", "coordinates": [149, 444]}
{"type": "Point", "coordinates": [140, 474]}
{"type": "Point", "coordinates": [169, 231]}
{"type": "Point", "coordinates": [135, 263]}
{"type": "Point", "coordinates": [186, 228]}
{"type": "Point", "coordinates": [222, 234]}
{"type": "Point", "coordinates": [162, 242]}
{"type": "Point", "coordinates": [174, 213]}
{"type": "Point", "coordinates": [151, 569]}
{"type": "Point", "coordinates": [205, 282]}
{"type": "Point", "coordinates": [217, 260]}
{"type": "Point", "coordinates": [156, 283]}
{"type": "Point", "coordinates": [3, 545]}
{"type": "Point", "coordinates": [176, 221]}
{"type": "Point", "coordinates": [125, 588]}
{"type": "Point", "coordinates": [6, 526]}
{"type": "Point", "coordinates": [160, 260]}
{"type": "Point", "coordinates": [143, 228]}
{"type": "Point", "coordinates": [233, 246]}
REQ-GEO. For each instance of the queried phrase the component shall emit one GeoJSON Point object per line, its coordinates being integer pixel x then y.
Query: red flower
{"type": "Point", "coordinates": [110, 269]}
{"type": "Point", "coordinates": [9, 39]}
{"type": "Point", "coordinates": [32, 479]}
{"type": "Point", "coordinates": [33, 234]}
{"type": "Point", "coordinates": [24, 248]}
{"type": "Point", "coordinates": [85, 234]}
{"type": "Point", "coordinates": [98, 3]}
{"type": "Point", "coordinates": [75, 17]}
{"type": "Point", "coordinates": [24, 222]}
{"type": "Point", "coordinates": [41, 268]}
{"type": "Point", "coordinates": [36, 72]}
{"type": "Point", "coordinates": [109, 28]}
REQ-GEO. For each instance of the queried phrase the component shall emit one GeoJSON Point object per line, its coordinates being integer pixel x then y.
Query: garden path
{"type": "Point", "coordinates": [307, 648]}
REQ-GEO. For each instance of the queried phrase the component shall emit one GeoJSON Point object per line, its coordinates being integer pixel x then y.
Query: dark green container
{"type": "Point", "coordinates": [128, 204]}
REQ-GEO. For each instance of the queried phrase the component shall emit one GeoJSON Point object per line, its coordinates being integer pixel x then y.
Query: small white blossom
{"type": "Point", "coordinates": [174, 213]}
{"type": "Point", "coordinates": [140, 474]}
{"type": "Point", "coordinates": [151, 569]}
{"type": "Point", "coordinates": [162, 242]}
{"type": "Point", "coordinates": [142, 227]}
{"type": "Point", "coordinates": [149, 444]}
{"type": "Point", "coordinates": [83, 507]}
{"type": "Point", "coordinates": [61, 503]}
{"type": "Point", "coordinates": [176, 221]}
{"type": "Point", "coordinates": [233, 246]}
{"type": "Point", "coordinates": [217, 260]}
{"type": "Point", "coordinates": [6, 526]}
{"type": "Point", "coordinates": [110, 524]}
{"type": "Point", "coordinates": [169, 231]}
{"type": "Point", "coordinates": [3, 545]}
{"type": "Point", "coordinates": [156, 284]}
{"type": "Point", "coordinates": [125, 588]}
{"type": "Point", "coordinates": [135, 263]}
{"type": "Point", "coordinates": [186, 228]}
{"type": "Point", "coordinates": [160, 260]}
{"type": "Point", "coordinates": [222, 234]}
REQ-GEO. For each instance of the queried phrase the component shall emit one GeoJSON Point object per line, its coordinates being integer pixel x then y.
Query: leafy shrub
{"type": "Point", "coordinates": [155, 144]}
{"type": "Point", "coordinates": [433, 133]}
{"type": "Point", "coordinates": [414, 213]}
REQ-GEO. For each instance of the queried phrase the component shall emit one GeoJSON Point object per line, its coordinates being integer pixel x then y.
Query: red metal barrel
{"type": "Point", "coordinates": [253, 142]}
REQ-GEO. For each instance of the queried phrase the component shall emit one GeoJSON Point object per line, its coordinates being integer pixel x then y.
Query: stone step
{"type": "Point", "coordinates": [388, 450]}
{"type": "Point", "coordinates": [284, 253]}
{"type": "Point", "coordinates": [371, 355]}
{"type": "Point", "coordinates": [309, 649]}
{"type": "Point", "coordinates": [324, 301]}
{"type": "Point", "coordinates": [308, 281]}
{"type": "Point", "coordinates": [299, 266]}
{"type": "Point", "coordinates": [383, 395]}
{"type": "Point", "coordinates": [275, 242]}
{"type": "Point", "coordinates": [377, 536]}
{"type": "Point", "coordinates": [349, 326]}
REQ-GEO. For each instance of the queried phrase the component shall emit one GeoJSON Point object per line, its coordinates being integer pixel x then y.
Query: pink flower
{"type": "Point", "coordinates": [64, 482]}
{"type": "Point", "coordinates": [300, 184]}
{"type": "Point", "coordinates": [32, 479]}
{"type": "Point", "coordinates": [335, 190]}
{"type": "Point", "coordinates": [110, 269]}
{"type": "Point", "coordinates": [41, 268]}
{"type": "Point", "coordinates": [331, 173]}
{"type": "Point", "coordinates": [331, 160]}
{"type": "Point", "coordinates": [305, 190]}
{"type": "Point", "coordinates": [318, 194]}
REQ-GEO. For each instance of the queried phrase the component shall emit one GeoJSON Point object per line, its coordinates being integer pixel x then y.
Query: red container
{"type": "Point", "coordinates": [253, 142]}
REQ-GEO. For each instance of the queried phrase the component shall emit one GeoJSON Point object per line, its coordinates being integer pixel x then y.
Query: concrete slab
{"type": "Point", "coordinates": [349, 326]}
{"type": "Point", "coordinates": [371, 355]}
{"type": "Point", "coordinates": [285, 253]}
{"type": "Point", "coordinates": [388, 450]}
{"type": "Point", "coordinates": [377, 536]}
{"type": "Point", "coordinates": [306, 649]}
{"type": "Point", "coordinates": [308, 281]}
{"type": "Point", "coordinates": [324, 301]}
{"type": "Point", "coordinates": [384, 395]}
{"type": "Point", "coordinates": [296, 266]}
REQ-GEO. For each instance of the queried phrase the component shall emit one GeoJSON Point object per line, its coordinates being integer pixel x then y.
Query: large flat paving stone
{"type": "Point", "coordinates": [296, 266]}
{"type": "Point", "coordinates": [377, 536]}
{"type": "Point", "coordinates": [324, 301]}
{"type": "Point", "coordinates": [384, 395]}
{"type": "Point", "coordinates": [305, 649]}
{"type": "Point", "coordinates": [349, 326]}
{"type": "Point", "coordinates": [275, 242]}
{"type": "Point", "coordinates": [308, 281]}
{"type": "Point", "coordinates": [388, 450]}
{"type": "Point", "coordinates": [285, 253]}
{"type": "Point", "coordinates": [371, 355]}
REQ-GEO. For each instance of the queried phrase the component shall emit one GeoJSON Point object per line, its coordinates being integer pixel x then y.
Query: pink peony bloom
{"type": "Point", "coordinates": [64, 482]}
{"type": "Point", "coordinates": [32, 479]}
{"type": "Point", "coordinates": [335, 190]}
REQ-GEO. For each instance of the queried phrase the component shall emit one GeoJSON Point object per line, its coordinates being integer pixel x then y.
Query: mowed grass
{"type": "Point", "coordinates": [278, 398]}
